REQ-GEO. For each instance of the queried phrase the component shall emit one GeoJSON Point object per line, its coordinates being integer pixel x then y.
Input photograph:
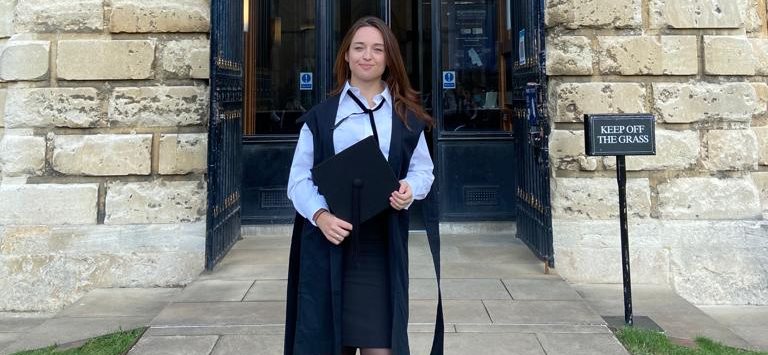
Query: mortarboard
{"type": "Point", "coordinates": [338, 177]}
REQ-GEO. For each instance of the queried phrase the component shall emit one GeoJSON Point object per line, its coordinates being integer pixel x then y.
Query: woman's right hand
{"type": "Point", "coordinates": [334, 229]}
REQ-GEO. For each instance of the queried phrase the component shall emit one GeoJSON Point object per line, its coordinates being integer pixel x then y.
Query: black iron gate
{"type": "Point", "coordinates": [529, 88]}
{"type": "Point", "coordinates": [224, 129]}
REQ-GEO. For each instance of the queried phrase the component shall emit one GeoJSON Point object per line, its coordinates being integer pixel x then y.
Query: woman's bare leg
{"type": "Point", "coordinates": [372, 351]}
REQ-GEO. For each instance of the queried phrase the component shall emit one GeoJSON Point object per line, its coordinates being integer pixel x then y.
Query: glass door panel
{"type": "Point", "coordinates": [280, 46]}
{"type": "Point", "coordinates": [469, 32]}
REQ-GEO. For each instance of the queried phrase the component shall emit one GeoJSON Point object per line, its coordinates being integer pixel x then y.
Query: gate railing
{"type": "Point", "coordinates": [224, 130]}
{"type": "Point", "coordinates": [529, 87]}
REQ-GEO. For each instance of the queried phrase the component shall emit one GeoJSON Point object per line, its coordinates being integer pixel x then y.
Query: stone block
{"type": "Point", "coordinates": [151, 269]}
{"type": "Point", "coordinates": [687, 103]}
{"type": "Point", "coordinates": [160, 16]}
{"type": "Point", "coordinates": [645, 233]}
{"type": "Point", "coordinates": [569, 55]}
{"type": "Point", "coordinates": [674, 151]}
{"type": "Point", "coordinates": [753, 21]}
{"type": "Point", "coordinates": [24, 60]}
{"type": "Point", "coordinates": [728, 55]}
{"type": "Point", "coordinates": [48, 204]}
{"type": "Point", "coordinates": [103, 154]}
{"type": "Point", "coordinates": [696, 13]}
{"type": "Point", "coordinates": [709, 198]}
{"type": "Point", "coordinates": [102, 239]}
{"type": "Point", "coordinates": [573, 100]}
{"type": "Point", "coordinates": [760, 53]}
{"type": "Point", "coordinates": [107, 60]}
{"type": "Point", "coordinates": [734, 275]}
{"type": "Point", "coordinates": [761, 181]}
{"type": "Point", "coordinates": [603, 265]}
{"type": "Point", "coordinates": [181, 59]}
{"type": "Point", "coordinates": [161, 106]}
{"type": "Point", "coordinates": [155, 202]}
{"type": "Point", "coordinates": [567, 151]}
{"type": "Point", "coordinates": [200, 59]}
{"type": "Point", "coordinates": [649, 55]}
{"type": "Point", "coordinates": [588, 252]}
{"type": "Point", "coordinates": [183, 153]}
{"type": "Point", "coordinates": [40, 282]}
{"type": "Point", "coordinates": [762, 144]}
{"type": "Point", "coordinates": [573, 14]}
{"type": "Point", "coordinates": [7, 10]}
{"type": "Point", "coordinates": [731, 150]}
{"type": "Point", "coordinates": [761, 90]}
{"type": "Point", "coordinates": [598, 198]}
{"type": "Point", "coordinates": [186, 344]}
{"type": "Point", "coordinates": [3, 95]}
{"type": "Point", "coordinates": [47, 107]}
{"type": "Point", "coordinates": [22, 155]}
{"type": "Point", "coordinates": [59, 16]}
{"type": "Point", "coordinates": [51, 282]}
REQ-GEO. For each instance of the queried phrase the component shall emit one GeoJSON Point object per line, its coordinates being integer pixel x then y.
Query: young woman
{"type": "Point", "coordinates": [340, 300]}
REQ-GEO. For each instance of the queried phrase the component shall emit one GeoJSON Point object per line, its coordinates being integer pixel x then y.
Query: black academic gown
{"type": "Point", "coordinates": [313, 311]}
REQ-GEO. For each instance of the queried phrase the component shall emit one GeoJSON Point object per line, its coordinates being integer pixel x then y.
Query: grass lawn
{"type": "Point", "coordinates": [646, 342]}
{"type": "Point", "coordinates": [110, 344]}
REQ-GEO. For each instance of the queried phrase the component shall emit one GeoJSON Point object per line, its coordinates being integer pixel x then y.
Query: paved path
{"type": "Point", "coordinates": [497, 301]}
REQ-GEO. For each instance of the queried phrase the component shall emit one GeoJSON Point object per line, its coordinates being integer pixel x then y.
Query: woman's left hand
{"type": "Point", "coordinates": [402, 197]}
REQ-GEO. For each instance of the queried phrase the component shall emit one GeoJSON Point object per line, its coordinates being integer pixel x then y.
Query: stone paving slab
{"type": "Point", "coordinates": [215, 291]}
{"type": "Point", "coordinates": [121, 302]}
{"type": "Point", "coordinates": [473, 312]}
{"type": "Point", "coordinates": [532, 328]}
{"type": "Point", "coordinates": [479, 343]}
{"type": "Point", "coordinates": [221, 314]}
{"type": "Point", "coordinates": [541, 290]}
{"type": "Point", "coordinates": [268, 242]}
{"type": "Point", "coordinates": [247, 272]}
{"type": "Point", "coordinates": [240, 344]}
{"type": "Point", "coordinates": [253, 329]}
{"type": "Point", "coordinates": [174, 345]}
{"type": "Point", "coordinates": [268, 290]}
{"type": "Point", "coordinates": [748, 322]}
{"type": "Point", "coordinates": [477, 240]}
{"type": "Point", "coordinates": [481, 269]}
{"type": "Point", "coordinates": [541, 312]}
{"type": "Point", "coordinates": [7, 339]}
{"type": "Point", "coordinates": [581, 344]}
{"type": "Point", "coordinates": [422, 255]}
{"type": "Point", "coordinates": [19, 322]}
{"type": "Point", "coordinates": [257, 256]}
{"type": "Point", "coordinates": [70, 329]}
{"type": "Point", "coordinates": [674, 314]}
{"type": "Point", "coordinates": [509, 254]}
{"type": "Point", "coordinates": [459, 289]}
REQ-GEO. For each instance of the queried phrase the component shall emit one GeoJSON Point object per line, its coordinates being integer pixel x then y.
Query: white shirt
{"type": "Point", "coordinates": [302, 190]}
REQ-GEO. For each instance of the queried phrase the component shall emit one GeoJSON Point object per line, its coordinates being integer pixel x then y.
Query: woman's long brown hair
{"type": "Point", "coordinates": [405, 97]}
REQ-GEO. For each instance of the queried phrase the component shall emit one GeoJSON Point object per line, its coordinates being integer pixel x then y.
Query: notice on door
{"type": "Point", "coordinates": [305, 81]}
{"type": "Point", "coordinates": [620, 134]}
{"type": "Point", "coordinates": [449, 79]}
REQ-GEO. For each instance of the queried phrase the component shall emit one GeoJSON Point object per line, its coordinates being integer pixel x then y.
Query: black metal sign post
{"type": "Point", "coordinates": [621, 177]}
{"type": "Point", "coordinates": [621, 135]}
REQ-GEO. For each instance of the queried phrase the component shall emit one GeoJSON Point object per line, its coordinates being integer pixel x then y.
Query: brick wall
{"type": "Point", "coordinates": [698, 208]}
{"type": "Point", "coordinates": [103, 114]}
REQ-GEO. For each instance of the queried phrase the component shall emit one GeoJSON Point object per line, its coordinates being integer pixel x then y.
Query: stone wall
{"type": "Point", "coordinates": [103, 114]}
{"type": "Point", "coordinates": [698, 208]}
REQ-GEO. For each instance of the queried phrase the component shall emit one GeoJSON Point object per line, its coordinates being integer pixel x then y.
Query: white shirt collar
{"type": "Point", "coordinates": [347, 106]}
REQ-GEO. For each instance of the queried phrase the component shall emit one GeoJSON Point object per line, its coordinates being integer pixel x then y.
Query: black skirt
{"type": "Point", "coordinates": [366, 300]}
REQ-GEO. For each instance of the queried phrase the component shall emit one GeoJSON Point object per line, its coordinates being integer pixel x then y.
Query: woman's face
{"type": "Point", "coordinates": [366, 56]}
